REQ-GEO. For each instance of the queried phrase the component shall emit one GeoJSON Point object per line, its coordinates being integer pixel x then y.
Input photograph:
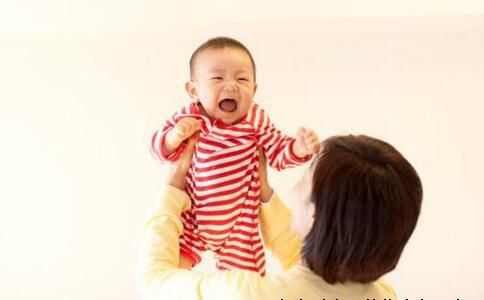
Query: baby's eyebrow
{"type": "Point", "coordinates": [215, 70]}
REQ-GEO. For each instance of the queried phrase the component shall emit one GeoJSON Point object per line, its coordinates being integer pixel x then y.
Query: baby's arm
{"type": "Point", "coordinates": [167, 142]}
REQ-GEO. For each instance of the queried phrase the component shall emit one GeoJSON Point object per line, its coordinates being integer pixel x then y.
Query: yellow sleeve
{"type": "Point", "coordinates": [158, 274]}
{"type": "Point", "coordinates": [279, 238]}
{"type": "Point", "coordinates": [388, 289]}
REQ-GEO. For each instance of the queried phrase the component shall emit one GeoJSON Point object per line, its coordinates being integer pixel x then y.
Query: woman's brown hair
{"type": "Point", "coordinates": [367, 200]}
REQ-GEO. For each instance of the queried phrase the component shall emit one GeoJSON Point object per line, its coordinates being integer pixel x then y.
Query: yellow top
{"type": "Point", "coordinates": [160, 277]}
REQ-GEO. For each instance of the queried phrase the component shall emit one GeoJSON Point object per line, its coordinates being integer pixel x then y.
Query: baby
{"type": "Point", "coordinates": [223, 180]}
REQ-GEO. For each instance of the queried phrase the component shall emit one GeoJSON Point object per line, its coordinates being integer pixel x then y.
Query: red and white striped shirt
{"type": "Point", "coordinates": [223, 184]}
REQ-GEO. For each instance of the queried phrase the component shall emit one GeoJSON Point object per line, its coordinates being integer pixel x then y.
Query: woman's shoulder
{"type": "Point", "coordinates": [295, 283]}
{"type": "Point", "coordinates": [386, 289]}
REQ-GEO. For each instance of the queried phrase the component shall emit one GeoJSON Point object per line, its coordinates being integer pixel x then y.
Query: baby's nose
{"type": "Point", "coordinates": [231, 85]}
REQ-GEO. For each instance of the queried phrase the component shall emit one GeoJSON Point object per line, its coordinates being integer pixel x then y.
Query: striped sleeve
{"type": "Point", "coordinates": [159, 137]}
{"type": "Point", "coordinates": [277, 146]}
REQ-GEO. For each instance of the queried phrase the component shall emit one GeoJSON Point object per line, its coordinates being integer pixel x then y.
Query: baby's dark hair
{"type": "Point", "coordinates": [219, 43]}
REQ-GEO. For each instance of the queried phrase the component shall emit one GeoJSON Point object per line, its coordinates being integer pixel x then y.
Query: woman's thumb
{"type": "Point", "coordinates": [191, 143]}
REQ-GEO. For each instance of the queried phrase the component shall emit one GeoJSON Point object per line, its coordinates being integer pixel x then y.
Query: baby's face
{"type": "Point", "coordinates": [223, 83]}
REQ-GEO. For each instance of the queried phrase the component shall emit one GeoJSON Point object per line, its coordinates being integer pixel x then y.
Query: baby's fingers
{"type": "Point", "coordinates": [301, 132]}
{"type": "Point", "coordinates": [193, 123]}
{"type": "Point", "coordinates": [312, 141]}
{"type": "Point", "coordinates": [186, 127]}
{"type": "Point", "coordinates": [313, 147]}
{"type": "Point", "coordinates": [306, 133]}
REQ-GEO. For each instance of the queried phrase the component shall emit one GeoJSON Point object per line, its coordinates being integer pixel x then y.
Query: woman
{"type": "Point", "coordinates": [356, 207]}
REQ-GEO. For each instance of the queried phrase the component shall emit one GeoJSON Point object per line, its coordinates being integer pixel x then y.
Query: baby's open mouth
{"type": "Point", "coordinates": [228, 105]}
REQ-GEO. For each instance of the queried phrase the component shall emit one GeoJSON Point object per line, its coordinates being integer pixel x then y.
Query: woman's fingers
{"type": "Point", "coordinates": [191, 145]}
{"type": "Point", "coordinates": [178, 169]}
{"type": "Point", "coordinates": [186, 158]}
{"type": "Point", "coordinates": [265, 189]}
{"type": "Point", "coordinates": [262, 163]}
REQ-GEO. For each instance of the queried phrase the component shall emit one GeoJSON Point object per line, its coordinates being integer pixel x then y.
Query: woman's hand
{"type": "Point", "coordinates": [265, 189]}
{"type": "Point", "coordinates": [177, 171]}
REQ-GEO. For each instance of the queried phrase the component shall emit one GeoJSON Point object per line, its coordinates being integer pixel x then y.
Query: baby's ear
{"type": "Point", "coordinates": [191, 89]}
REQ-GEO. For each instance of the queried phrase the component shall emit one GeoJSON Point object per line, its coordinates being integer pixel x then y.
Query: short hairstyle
{"type": "Point", "coordinates": [219, 43]}
{"type": "Point", "coordinates": [367, 200]}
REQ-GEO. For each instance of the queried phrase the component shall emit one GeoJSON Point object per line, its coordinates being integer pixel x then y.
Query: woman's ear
{"type": "Point", "coordinates": [191, 89]}
{"type": "Point", "coordinates": [312, 211]}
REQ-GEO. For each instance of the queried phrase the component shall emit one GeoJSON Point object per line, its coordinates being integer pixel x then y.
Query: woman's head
{"type": "Point", "coordinates": [366, 200]}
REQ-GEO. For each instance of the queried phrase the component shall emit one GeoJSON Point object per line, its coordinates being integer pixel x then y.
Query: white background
{"type": "Point", "coordinates": [84, 84]}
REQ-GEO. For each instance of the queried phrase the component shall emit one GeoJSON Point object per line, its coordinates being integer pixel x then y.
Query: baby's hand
{"type": "Point", "coordinates": [182, 130]}
{"type": "Point", "coordinates": [306, 143]}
